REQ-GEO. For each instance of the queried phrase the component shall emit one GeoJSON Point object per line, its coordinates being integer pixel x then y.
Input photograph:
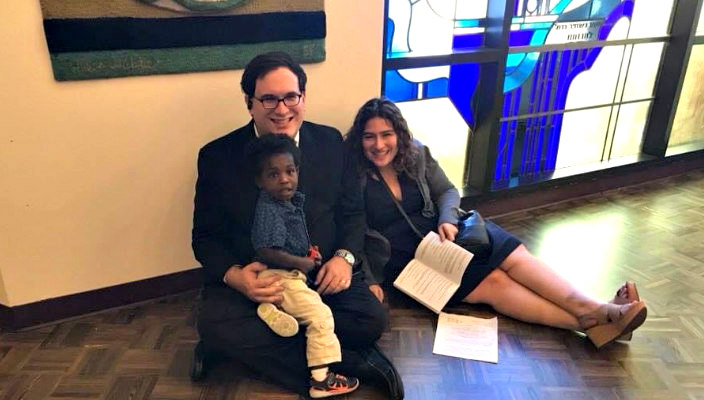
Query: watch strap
{"type": "Point", "coordinates": [346, 255]}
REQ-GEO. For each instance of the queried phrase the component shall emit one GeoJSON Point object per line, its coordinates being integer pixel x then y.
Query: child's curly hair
{"type": "Point", "coordinates": [262, 148]}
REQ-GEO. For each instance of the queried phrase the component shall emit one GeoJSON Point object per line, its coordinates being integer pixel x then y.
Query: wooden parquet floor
{"type": "Point", "coordinates": [651, 233]}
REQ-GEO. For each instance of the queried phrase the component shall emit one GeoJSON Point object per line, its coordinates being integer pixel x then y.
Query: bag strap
{"type": "Point", "coordinates": [462, 214]}
{"type": "Point", "coordinates": [398, 205]}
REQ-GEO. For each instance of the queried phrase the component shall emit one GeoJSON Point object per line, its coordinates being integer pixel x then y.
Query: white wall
{"type": "Point", "coordinates": [97, 176]}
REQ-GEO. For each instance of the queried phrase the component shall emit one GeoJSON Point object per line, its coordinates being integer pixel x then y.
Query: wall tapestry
{"type": "Point", "coordinates": [92, 39]}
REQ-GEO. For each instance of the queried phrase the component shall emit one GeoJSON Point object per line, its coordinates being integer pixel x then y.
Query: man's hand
{"type": "Point", "coordinates": [377, 291]}
{"type": "Point", "coordinates": [335, 276]}
{"type": "Point", "coordinates": [246, 280]}
{"type": "Point", "coordinates": [447, 231]}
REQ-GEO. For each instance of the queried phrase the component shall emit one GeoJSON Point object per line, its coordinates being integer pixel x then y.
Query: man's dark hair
{"type": "Point", "coordinates": [265, 63]}
{"type": "Point", "coordinates": [261, 149]}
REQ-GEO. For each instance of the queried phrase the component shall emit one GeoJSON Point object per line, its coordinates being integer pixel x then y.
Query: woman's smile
{"type": "Point", "coordinates": [379, 142]}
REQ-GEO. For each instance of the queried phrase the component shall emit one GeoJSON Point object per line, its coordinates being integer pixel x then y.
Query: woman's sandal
{"type": "Point", "coordinates": [620, 320]}
{"type": "Point", "coordinates": [624, 295]}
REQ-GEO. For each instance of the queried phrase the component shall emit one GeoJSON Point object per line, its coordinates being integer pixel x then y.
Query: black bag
{"type": "Point", "coordinates": [471, 232]}
{"type": "Point", "coordinates": [471, 229]}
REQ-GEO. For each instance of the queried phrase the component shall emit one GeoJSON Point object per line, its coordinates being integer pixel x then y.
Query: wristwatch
{"type": "Point", "coordinates": [348, 256]}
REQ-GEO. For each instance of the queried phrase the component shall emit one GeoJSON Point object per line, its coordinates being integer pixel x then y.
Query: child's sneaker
{"type": "Point", "coordinates": [281, 323]}
{"type": "Point", "coordinates": [333, 385]}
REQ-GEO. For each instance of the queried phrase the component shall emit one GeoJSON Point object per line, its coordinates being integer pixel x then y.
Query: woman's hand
{"type": "Point", "coordinates": [377, 291]}
{"type": "Point", "coordinates": [447, 231]}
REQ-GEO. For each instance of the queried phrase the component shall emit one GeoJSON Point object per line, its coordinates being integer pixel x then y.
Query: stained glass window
{"type": "Point", "coordinates": [572, 80]}
{"type": "Point", "coordinates": [457, 82]}
{"type": "Point", "coordinates": [566, 101]}
{"type": "Point", "coordinates": [441, 94]}
{"type": "Point", "coordinates": [688, 127]}
{"type": "Point", "coordinates": [544, 84]}
{"type": "Point", "coordinates": [438, 103]}
{"type": "Point", "coordinates": [540, 22]}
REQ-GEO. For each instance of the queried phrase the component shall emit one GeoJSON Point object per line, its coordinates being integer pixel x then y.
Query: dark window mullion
{"type": "Point", "coordinates": [465, 57]}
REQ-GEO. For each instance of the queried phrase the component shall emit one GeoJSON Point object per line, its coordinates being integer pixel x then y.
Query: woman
{"type": "Point", "coordinates": [509, 278]}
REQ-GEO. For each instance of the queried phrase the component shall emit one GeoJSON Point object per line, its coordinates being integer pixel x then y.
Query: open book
{"type": "Point", "coordinates": [435, 273]}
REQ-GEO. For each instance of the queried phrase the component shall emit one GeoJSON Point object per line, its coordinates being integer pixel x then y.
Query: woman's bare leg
{"type": "Point", "coordinates": [531, 272]}
{"type": "Point", "coordinates": [529, 281]}
{"type": "Point", "coordinates": [525, 288]}
{"type": "Point", "coordinates": [511, 298]}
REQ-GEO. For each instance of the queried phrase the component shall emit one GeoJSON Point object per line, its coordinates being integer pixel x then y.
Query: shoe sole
{"type": "Point", "coordinates": [601, 335]}
{"type": "Point", "coordinates": [321, 394]}
{"type": "Point", "coordinates": [281, 323]}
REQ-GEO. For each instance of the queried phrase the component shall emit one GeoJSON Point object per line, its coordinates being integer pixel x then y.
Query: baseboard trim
{"type": "Point", "coordinates": [59, 308]}
{"type": "Point", "coordinates": [562, 189]}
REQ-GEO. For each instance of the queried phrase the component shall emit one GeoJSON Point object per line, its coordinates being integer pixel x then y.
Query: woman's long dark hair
{"type": "Point", "coordinates": [383, 108]}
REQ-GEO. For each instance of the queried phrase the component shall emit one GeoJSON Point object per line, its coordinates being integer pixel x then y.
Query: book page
{"type": "Point", "coordinates": [425, 285]}
{"type": "Point", "coordinates": [467, 337]}
{"type": "Point", "coordinates": [445, 257]}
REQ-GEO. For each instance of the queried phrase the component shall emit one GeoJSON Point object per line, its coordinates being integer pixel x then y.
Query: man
{"type": "Point", "coordinates": [274, 88]}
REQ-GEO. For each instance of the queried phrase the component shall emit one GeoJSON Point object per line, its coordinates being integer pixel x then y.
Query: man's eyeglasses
{"type": "Point", "coordinates": [271, 102]}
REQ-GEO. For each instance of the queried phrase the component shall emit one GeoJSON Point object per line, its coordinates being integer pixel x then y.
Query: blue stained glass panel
{"type": "Point", "coordinates": [436, 88]}
{"type": "Point", "coordinates": [390, 27]}
{"type": "Point", "coordinates": [398, 89]}
{"type": "Point", "coordinates": [537, 84]}
{"type": "Point", "coordinates": [470, 41]}
{"type": "Point", "coordinates": [560, 7]}
{"type": "Point", "coordinates": [536, 25]}
{"type": "Point", "coordinates": [467, 23]}
{"type": "Point", "coordinates": [602, 8]}
{"type": "Point", "coordinates": [520, 38]}
{"type": "Point", "coordinates": [459, 85]}
{"type": "Point", "coordinates": [464, 79]}
{"type": "Point", "coordinates": [433, 28]}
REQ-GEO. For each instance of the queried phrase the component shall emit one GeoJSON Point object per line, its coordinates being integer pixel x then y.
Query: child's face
{"type": "Point", "coordinates": [279, 177]}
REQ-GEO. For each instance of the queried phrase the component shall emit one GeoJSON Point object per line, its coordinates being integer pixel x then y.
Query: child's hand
{"type": "Point", "coordinates": [314, 264]}
{"type": "Point", "coordinates": [314, 254]}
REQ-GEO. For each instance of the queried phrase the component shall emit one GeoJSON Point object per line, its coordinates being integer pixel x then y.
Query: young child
{"type": "Point", "coordinates": [280, 239]}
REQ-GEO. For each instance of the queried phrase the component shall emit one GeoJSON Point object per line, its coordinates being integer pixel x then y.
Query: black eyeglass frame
{"type": "Point", "coordinates": [287, 100]}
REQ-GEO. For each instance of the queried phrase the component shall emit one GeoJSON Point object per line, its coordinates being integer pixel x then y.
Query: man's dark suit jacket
{"type": "Point", "coordinates": [226, 197]}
